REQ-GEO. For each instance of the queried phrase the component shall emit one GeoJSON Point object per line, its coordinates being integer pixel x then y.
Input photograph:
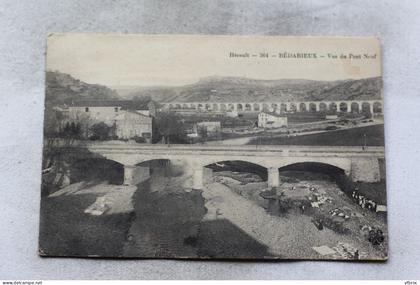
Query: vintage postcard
{"type": "Point", "coordinates": [225, 147]}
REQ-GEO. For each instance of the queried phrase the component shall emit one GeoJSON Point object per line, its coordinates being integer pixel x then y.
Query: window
{"type": "Point", "coordinates": [116, 109]}
{"type": "Point", "coordinates": [87, 109]}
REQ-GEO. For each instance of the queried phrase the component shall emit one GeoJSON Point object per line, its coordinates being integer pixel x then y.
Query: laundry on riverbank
{"type": "Point", "coordinates": [324, 250]}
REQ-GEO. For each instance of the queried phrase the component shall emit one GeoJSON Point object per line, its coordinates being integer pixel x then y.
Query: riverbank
{"type": "Point", "coordinates": [68, 229]}
{"type": "Point", "coordinates": [234, 216]}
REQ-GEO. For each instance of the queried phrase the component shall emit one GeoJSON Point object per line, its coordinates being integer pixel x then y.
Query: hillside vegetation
{"type": "Point", "coordinates": [63, 89]}
{"type": "Point", "coordinates": [236, 89]}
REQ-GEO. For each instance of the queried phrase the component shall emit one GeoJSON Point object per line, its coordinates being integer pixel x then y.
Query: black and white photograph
{"type": "Point", "coordinates": [213, 147]}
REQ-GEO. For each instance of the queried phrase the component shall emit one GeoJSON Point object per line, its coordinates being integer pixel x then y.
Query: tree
{"type": "Point", "coordinates": [100, 131]}
{"type": "Point", "coordinates": [52, 122]}
{"type": "Point", "coordinates": [142, 99]}
{"type": "Point", "coordinates": [71, 131]}
{"type": "Point", "coordinates": [202, 132]}
{"type": "Point", "coordinates": [170, 127]}
{"type": "Point", "coordinates": [58, 136]}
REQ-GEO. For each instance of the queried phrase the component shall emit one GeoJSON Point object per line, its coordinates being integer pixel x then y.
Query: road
{"type": "Point", "coordinates": [246, 140]}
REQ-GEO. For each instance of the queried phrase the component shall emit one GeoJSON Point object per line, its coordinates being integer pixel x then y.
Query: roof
{"type": "Point", "coordinates": [125, 104]}
{"type": "Point", "coordinates": [100, 103]}
{"type": "Point", "coordinates": [209, 123]}
{"type": "Point", "coordinates": [123, 114]}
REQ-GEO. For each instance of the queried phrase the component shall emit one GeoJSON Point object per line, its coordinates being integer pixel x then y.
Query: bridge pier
{"type": "Point", "coordinates": [135, 174]}
{"type": "Point", "coordinates": [198, 179]}
{"type": "Point", "coordinates": [128, 174]}
{"type": "Point", "coordinates": [273, 177]}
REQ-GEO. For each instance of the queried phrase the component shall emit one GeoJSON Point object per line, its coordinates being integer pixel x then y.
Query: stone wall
{"type": "Point", "coordinates": [365, 169]}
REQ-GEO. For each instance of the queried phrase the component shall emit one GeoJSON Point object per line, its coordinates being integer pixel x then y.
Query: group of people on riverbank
{"type": "Point", "coordinates": [363, 201]}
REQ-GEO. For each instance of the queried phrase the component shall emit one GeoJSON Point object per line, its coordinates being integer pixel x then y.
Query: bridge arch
{"type": "Point", "coordinates": [212, 160]}
{"type": "Point", "coordinates": [312, 107]}
{"type": "Point", "coordinates": [265, 107]}
{"type": "Point", "coordinates": [240, 107]}
{"type": "Point", "coordinates": [256, 107]}
{"type": "Point", "coordinates": [332, 107]}
{"type": "Point", "coordinates": [355, 107]}
{"type": "Point", "coordinates": [313, 166]}
{"type": "Point", "coordinates": [293, 107]}
{"type": "Point", "coordinates": [234, 165]}
{"type": "Point", "coordinates": [151, 165]}
{"type": "Point", "coordinates": [240, 165]}
{"type": "Point", "coordinates": [322, 107]}
{"type": "Point", "coordinates": [215, 107]}
{"type": "Point", "coordinates": [343, 107]}
{"type": "Point", "coordinates": [366, 106]}
{"type": "Point", "coordinates": [283, 107]}
{"type": "Point", "coordinates": [377, 107]}
{"type": "Point", "coordinates": [333, 172]}
{"type": "Point", "coordinates": [248, 107]}
{"type": "Point", "coordinates": [139, 168]}
{"type": "Point", "coordinates": [96, 169]}
{"type": "Point", "coordinates": [223, 107]}
{"type": "Point", "coordinates": [341, 163]}
{"type": "Point", "coordinates": [231, 107]}
{"type": "Point", "coordinates": [302, 107]}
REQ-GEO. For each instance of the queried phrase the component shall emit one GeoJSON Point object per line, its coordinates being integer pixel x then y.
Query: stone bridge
{"type": "Point", "coordinates": [357, 163]}
{"type": "Point", "coordinates": [373, 106]}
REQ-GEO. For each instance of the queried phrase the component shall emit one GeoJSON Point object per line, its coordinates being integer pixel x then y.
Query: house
{"type": "Point", "coordinates": [232, 113]}
{"type": "Point", "coordinates": [96, 110]}
{"type": "Point", "coordinates": [131, 124]}
{"type": "Point", "coordinates": [331, 117]}
{"type": "Point", "coordinates": [271, 120]}
{"type": "Point", "coordinates": [106, 110]}
{"type": "Point", "coordinates": [115, 113]}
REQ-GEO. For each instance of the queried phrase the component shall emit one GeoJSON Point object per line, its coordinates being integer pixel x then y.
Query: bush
{"type": "Point", "coordinates": [100, 131]}
{"type": "Point", "coordinates": [71, 130]}
{"type": "Point", "coordinates": [138, 139]}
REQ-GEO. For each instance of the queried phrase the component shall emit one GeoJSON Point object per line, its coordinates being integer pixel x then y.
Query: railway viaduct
{"type": "Point", "coordinates": [373, 106]}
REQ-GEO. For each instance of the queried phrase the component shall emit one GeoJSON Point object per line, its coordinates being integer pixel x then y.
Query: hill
{"type": "Point", "coordinates": [236, 89]}
{"type": "Point", "coordinates": [61, 88]}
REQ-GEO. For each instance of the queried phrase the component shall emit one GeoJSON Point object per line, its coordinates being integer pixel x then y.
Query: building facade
{"type": "Point", "coordinates": [96, 110]}
{"type": "Point", "coordinates": [129, 124]}
{"type": "Point", "coordinates": [211, 128]}
{"type": "Point", "coordinates": [271, 120]}
{"type": "Point", "coordinates": [129, 119]}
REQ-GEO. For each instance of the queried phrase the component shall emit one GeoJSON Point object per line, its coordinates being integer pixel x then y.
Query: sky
{"type": "Point", "coordinates": [153, 60]}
